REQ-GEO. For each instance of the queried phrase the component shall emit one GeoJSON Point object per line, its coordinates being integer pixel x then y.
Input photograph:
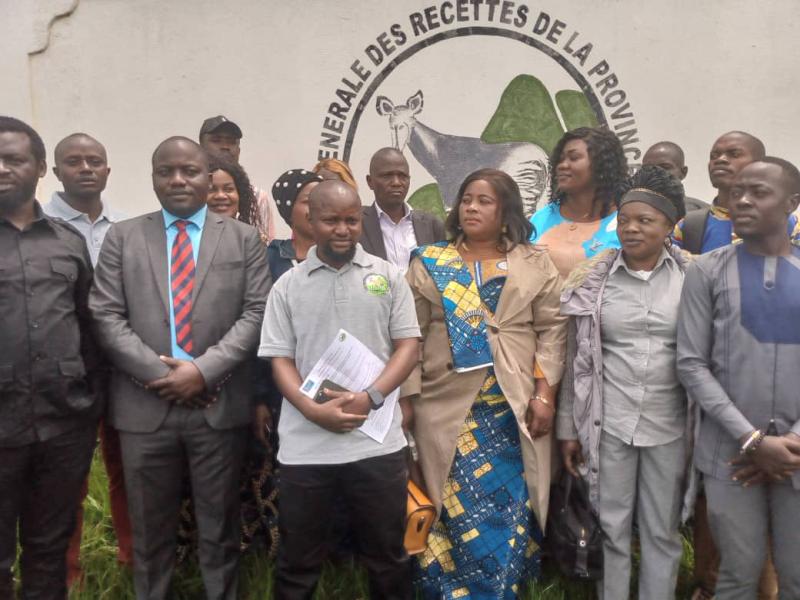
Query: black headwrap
{"type": "Point", "coordinates": [286, 189]}
{"type": "Point", "coordinates": [656, 200]}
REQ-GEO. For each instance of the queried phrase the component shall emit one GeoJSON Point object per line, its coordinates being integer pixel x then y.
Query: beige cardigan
{"type": "Point", "coordinates": [526, 326]}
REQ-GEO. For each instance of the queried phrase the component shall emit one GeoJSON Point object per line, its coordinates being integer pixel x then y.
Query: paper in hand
{"type": "Point", "coordinates": [349, 365]}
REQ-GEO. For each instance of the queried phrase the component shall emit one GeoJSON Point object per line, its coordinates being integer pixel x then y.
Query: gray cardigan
{"type": "Point", "coordinates": [580, 404]}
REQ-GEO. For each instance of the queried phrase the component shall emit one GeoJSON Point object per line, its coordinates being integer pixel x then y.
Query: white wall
{"type": "Point", "coordinates": [134, 72]}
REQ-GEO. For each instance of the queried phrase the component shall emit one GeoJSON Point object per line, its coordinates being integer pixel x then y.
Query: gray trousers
{"type": "Point", "coordinates": [648, 481]}
{"type": "Point", "coordinates": [740, 520]}
{"type": "Point", "coordinates": [154, 466]}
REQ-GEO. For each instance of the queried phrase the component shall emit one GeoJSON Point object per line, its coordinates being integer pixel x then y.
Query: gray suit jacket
{"type": "Point", "coordinates": [130, 305]}
{"type": "Point", "coordinates": [427, 229]}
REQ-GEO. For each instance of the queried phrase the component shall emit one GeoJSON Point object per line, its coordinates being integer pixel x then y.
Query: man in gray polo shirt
{"type": "Point", "coordinates": [82, 168]}
{"type": "Point", "coordinates": [81, 165]}
{"type": "Point", "coordinates": [322, 454]}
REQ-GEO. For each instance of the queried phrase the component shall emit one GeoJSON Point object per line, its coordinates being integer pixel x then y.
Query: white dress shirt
{"type": "Point", "coordinates": [398, 238]}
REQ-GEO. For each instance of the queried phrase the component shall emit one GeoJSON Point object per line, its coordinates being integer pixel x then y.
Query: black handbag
{"type": "Point", "coordinates": [574, 537]}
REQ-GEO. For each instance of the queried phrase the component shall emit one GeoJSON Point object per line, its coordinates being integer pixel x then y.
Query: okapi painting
{"type": "Point", "coordinates": [450, 158]}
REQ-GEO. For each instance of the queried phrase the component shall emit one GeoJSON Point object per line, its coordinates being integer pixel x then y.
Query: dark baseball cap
{"type": "Point", "coordinates": [218, 123]}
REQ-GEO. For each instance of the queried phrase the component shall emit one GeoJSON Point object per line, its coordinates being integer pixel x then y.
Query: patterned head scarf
{"type": "Point", "coordinates": [286, 189]}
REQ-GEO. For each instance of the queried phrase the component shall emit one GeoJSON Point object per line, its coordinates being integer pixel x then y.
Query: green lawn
{"type": "Point", "coordinates": [107, 581]}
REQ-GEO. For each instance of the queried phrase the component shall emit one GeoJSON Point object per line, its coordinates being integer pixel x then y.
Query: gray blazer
{"type": "Point", "coordinates": [427, 229]}
{"type": "Point", "coordinates": [129, 301]}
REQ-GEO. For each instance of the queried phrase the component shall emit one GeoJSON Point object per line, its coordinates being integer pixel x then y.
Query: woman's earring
{"type": "Point", "coordinates": [505, 229]}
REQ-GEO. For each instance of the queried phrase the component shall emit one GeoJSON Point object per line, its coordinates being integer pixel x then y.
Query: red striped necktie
{"type": "Point", "coordinates": [182, 286]}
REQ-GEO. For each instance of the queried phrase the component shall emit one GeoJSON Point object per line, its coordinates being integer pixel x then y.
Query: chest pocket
{"type": "Point", "coordinates": [64, 275]}
{"type": "Point", "coordinates": [228, 266]}
{"type": "Point", "coordinates": [65, 268]}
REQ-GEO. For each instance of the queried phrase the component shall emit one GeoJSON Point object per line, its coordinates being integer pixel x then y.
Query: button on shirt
{"type": "Point", "coordinates": [643, 401]}
{"type": "Point", "coordinates": [93, 233]}
{"type": "Point", "coordinates": [45, 274]}
{"type": "Point", "coordinates": [195, 231]}
{"type": "Point", "coordinates": [367, 297]}
{"type": "Point", "coordinates": [398, 238]}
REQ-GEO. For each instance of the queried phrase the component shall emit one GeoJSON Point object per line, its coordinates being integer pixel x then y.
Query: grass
{"type": "Point", "coordinates": [105, 580]}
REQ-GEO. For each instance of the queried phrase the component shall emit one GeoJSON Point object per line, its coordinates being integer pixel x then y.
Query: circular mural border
{"type": "Point", "coordinates": [584, 85]}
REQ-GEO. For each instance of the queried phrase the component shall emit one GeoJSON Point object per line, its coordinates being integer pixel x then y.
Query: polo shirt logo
{"type": "Point", "coordinates": [376, 284]}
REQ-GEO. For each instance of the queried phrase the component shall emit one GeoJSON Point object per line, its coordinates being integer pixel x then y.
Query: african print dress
{"type": "Point", "coordinates": [486, 543]}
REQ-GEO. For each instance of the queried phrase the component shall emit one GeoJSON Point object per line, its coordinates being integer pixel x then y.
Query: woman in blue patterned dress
{"type": "Point", "coordinates": [483, 394]}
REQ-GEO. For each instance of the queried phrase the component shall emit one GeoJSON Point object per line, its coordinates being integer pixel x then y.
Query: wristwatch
{"type": "Point", "coordinates": [376, 399]}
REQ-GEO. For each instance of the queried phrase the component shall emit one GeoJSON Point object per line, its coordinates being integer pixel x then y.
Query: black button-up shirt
{"type": "Point", "coordinates": [46, 343]}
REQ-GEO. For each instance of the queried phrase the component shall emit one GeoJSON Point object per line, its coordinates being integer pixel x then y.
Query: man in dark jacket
{"type": "Point", "coordinates": [391, 228]}
{"type": "Point", "coordinates": [48, 415]}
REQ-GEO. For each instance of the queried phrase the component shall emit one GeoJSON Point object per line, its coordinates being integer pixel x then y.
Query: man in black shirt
{"type": "Point", "coordinates": [48, 416]}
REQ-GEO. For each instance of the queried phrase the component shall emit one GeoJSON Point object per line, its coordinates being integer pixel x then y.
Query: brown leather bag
{"type": "Point", "coordinates": [420, 515]}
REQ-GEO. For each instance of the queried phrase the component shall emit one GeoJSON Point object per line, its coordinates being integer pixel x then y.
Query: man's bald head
{"type": "Point", "coordinates": [335, 217]}
{"type": "Point", "coordinates": [669, 156]}
{"type": "Point", "coordinates": [332, 193]}
{"type": "Point", "coordinates": [383, 155]}
{"type": "Point", "coordinates": [183, 143]}
{"type": "Point", "coordinates": [389, 179]}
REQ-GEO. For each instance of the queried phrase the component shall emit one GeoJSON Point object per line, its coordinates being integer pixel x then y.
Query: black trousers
{"type": "Point", "coordinates": [40, 486]}
{"type": "Point", "coordinates": [374, 491]}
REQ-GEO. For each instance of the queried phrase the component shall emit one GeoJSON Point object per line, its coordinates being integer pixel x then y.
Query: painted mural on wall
{"type": "Point", "coordinates": [520, 78]}
{"type": "Point", "coordinates": [450, 158]}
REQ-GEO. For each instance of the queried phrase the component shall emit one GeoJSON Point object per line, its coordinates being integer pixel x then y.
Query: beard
{"type": "Point", "coordinates": [339, 257]}
{"type": "Point", "coordinates": [14, 198]}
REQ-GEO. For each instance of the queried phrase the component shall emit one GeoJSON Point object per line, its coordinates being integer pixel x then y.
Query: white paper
{"type": "Point", "coordinates": [349, 363]}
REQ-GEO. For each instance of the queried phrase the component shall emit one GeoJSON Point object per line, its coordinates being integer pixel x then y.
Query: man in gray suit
{"type": "Point", "coordinates": [178, 301]}
{"type": "Point", "coordinates": [391, 228]}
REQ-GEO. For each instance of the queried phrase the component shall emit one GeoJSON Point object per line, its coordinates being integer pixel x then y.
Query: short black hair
{"type": "Point", "coordinates": [518, 228]}
{"type": "Point", "coordinates": [74, 136]}
{"type": "Point", "coordinates": [248, 209]}
{"type": "Point", "coordinates": [672, 147]}
{"type": "Point", "coordinates": [656, 179]}
{"type": "Point", "coordinates": [756, 145]}
{"type": "Point", "coordinates": [608, 163]}
{"type": "Point", "coordinates": [180, 138]}
{"type": "Point", "coordinates": [10, 124]}
{"type": "Point", "coordinates": [388, 151]}
{"type": "Point", "coordinates": [790, 172]}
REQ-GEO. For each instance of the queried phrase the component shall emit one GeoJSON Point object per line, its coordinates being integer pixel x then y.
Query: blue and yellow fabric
{"type": "Point", "coordinates": [462, 304]}
{"type": "Point", "coordinates": [486, 542]}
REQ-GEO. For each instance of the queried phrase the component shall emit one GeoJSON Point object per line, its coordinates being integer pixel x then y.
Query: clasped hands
{"type": "Point", "coordinates": [343, 412]}
{"type": "Point", "coordinates": [775, 458]}
{"type": "Point", "coordinates": [183, 385]}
